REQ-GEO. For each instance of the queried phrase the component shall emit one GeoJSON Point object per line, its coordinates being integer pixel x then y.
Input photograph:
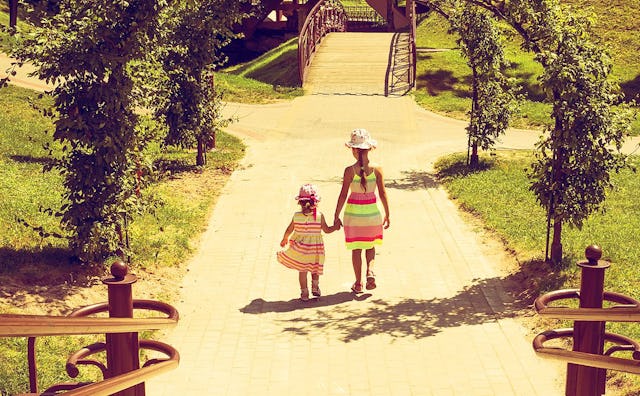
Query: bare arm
{"type": "Point", "coordinates": [342, 198]}
{"type": "Point", "coordinates": [382, 192]}
{"type": "Point", "coordinates": [287, 233]}
{"type": "Point", "coordinates": [326, 228]}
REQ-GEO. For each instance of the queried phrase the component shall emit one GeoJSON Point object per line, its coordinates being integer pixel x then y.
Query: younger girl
{"type": "Point", "coordinates": [306, 246]}
{"type": "Point", "coordinates": [362, 220]}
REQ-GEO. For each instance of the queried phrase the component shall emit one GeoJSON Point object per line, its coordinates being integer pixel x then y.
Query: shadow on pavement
{"type": "Point", "coordinates": [414, 180]}
{"type": "Point", "coordinates": [259, 306]}
{"type": "Point", "coordinates": [487, 300]}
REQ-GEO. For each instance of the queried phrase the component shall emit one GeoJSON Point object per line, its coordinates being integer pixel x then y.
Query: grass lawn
{"type": "Point", "coordinates": [498, 196]}
{"type": "Point", "coordinates": [30, 263]}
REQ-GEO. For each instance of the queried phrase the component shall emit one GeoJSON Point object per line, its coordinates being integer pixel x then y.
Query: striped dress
{"type": "Point", "coordinates": [362, 219]}
{"type": "Point", "coordinates": [306, 246]}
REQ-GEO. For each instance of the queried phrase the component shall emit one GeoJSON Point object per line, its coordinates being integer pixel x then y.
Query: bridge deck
{"type": "Point", "coordinates": [350, 63]}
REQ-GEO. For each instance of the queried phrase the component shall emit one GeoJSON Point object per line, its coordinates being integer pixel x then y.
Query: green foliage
{"type": "Point", "coordinates": [86, 49]}
{"type": "Point", "coordinates": [574, 163]}
{"type": "Point", "coordinates": [190, 49]}
{"type": "Point", "coordinates": [493, 98]}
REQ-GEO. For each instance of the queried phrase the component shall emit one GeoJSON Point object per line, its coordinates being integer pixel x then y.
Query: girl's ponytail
{"type": "Point", "coordinates": [363, 180]}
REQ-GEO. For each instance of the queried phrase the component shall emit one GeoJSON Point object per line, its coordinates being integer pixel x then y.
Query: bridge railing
{"type": "Point", "coordinates": [325, 17]}
{"type": "Point", "coordinates": [122, 373]}
{"type": "Point", "coordinates": [588, 360]}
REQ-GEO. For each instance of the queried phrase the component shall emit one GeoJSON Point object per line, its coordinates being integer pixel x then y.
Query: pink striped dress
{"type": "Point", "coordinates": [362, 219]}
{"type": "Point", "coordinates": [306, 246]}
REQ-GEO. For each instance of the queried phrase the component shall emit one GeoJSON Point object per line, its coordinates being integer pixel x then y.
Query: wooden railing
{"type": "Point", "coordinates": [122, 373]}
{"type": "Point", "coordinates": [593, 347]}
{"type": "Point", "coordinates": [325, 17]}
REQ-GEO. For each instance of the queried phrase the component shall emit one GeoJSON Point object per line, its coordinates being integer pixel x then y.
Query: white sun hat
{"type": "Point", "coordinates": [361, 139]}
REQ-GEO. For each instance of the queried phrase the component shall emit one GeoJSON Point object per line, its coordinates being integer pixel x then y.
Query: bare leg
{"type": "Point", "coordinates": [315, 284]}
{"type": "Point", "coordinates": [370, 255]}
{"type": "Point", "coordinates": [304, 289]}
{"type": "Point", "coordinates": [356, 259]}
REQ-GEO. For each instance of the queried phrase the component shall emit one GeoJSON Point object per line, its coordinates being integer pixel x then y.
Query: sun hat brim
{"type": "Point", "coordinates": [364, 145]}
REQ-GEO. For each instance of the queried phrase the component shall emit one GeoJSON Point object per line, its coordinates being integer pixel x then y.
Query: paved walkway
{"type": "Point", "coordinates": [441, 321]}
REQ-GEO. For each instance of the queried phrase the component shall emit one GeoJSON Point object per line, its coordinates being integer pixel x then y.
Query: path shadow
{"type": "Point", "coordinates": [414, 180]}
{"type": "Point", "coordinates": [29, 159]}
{"type": "Point", "coordinates": [260, 306]}
{"type": "Point", "coordinates": [486, 300]}
{"type": "Point", "coordinates": [631, 89]}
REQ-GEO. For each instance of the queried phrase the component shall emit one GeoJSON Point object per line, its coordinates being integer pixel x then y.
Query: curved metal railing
{"type": "Point", "coordinates": [78, 323]}
{"type": "Point", "coordinates": [325, 17]}
{"type": "Point", "coordinates": [593, 347]}
{"type": "Point", "coordinates": [605, 361]}
{"type": "Point", "coordinates": [626, 309]}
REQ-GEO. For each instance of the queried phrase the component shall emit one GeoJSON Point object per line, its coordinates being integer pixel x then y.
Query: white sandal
{"type": "Point", "coordinates": [304, 294]}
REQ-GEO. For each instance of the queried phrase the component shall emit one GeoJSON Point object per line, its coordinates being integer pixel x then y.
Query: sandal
{"type": "Point", "coordinates": [315, 289]}
{"type": "Point", "coordinates": [304, 294]}
{"type": "Point", "coordinates": [371, 281]}
{"type": "Point", "coordinates": [357, 287]}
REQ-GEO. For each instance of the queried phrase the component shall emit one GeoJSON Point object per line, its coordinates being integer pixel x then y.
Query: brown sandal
{"type": "Point", "coordinates": [357, 287]}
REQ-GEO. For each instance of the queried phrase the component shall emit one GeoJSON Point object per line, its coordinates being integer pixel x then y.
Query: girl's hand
{"type": "Point", "coordinates": [386, 223]}
{"type": "Point", "coordinates": [283, 242]}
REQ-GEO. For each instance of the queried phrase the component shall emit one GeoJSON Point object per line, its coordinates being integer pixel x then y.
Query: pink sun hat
{"type": "Point", "coordinates": [361, 139]}
{"type": "Point", "coordinates": [308, 191]}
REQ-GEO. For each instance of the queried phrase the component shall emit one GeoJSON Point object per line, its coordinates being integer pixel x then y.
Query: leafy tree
{"type": "Point", "coordinates": [194, 32]}
{"type": "Point", "coordinates": [581, 150]}
{"type": "Point", "coordinates": [492, 97]}
{"type": "Point", "coordinates": [87, 49]}
{"type": "Point", "coordinates": [575, 159]}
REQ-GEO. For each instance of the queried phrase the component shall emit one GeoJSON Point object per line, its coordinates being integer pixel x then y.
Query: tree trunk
{"type": "Point", "coordinates": [13, 13]}
{"type": "Point", "coordinates": [474, 161]}
{"type": "Point", "coordinates": [201, 157]}
{"type": "Point", "coordinates": [557, 169]}
{"type": "Point", "coordinates": [556, 245]}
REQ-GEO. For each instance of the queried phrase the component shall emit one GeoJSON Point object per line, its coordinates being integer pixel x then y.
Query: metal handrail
{"type": "Point", "coordinates": [77, 323]}
{"type": "Point", "coordinates": [325, 17]}
{"type": "Point", "coordinates": [41, 325]}
{"type": "Point", "coordinates": [627, 310]}
{"type": "Point", "coordinates": [590, 359]}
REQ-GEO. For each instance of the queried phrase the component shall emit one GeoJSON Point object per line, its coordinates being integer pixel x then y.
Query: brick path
{"type": "Point", "coordinates": [440, 322]}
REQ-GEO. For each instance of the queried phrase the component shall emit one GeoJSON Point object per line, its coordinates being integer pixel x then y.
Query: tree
{"type": "Point", "coordinates": [87, 49]}
{"type": "Point", "coordinates": [572, 174]}
{"type": "Point", "coordinates": [582, 149]}
{"type": "Point", "coordinates": [492, 97]}
{"type": "Point", "coordinates": [193, 35]}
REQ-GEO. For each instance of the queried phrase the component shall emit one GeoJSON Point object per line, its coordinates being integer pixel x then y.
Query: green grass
{"type": "Point", "coordinates": [498, 196]}
{"type": "Point", "coordinates": [443, 78]}
{"type": "Point", "coordinates": [272, 76]}
{"type": "Point", "coordinates": [166, 238]}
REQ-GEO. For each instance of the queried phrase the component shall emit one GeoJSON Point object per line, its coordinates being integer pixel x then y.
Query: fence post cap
{"type": "Point", "coordinates": [593, 253]}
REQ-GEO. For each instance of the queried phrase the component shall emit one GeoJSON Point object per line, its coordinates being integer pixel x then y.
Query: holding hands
{"type": "Point", "coordinates": [337, 223]}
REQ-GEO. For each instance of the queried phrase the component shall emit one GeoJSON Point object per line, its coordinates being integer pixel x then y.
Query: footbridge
{"type": "Point", "coordinates": [333, 59]}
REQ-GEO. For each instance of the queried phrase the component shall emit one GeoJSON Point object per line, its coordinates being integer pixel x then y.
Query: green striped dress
{"type": "Point", "coordinates": [362, 219]}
